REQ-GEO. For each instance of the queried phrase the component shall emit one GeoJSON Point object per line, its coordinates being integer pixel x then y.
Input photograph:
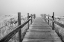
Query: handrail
{"type": "Point", "coordinates": [11, 34]}
{"type": "Point", "coordinates": [54, 22]}
{"type": "Point", "coordinates": [62, 25]}
{"type": "Point", "coordinates": [18, 28]}
{"type": "Point", "coordinates": [51, 16]}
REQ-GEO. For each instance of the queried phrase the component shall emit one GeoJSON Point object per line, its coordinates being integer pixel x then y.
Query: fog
{"type": "Point", "coordinates": [32, 6]}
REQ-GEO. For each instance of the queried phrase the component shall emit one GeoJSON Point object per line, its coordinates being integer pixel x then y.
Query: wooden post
{"type": "Point", "coordinates": [31, 18]}
{"type": "Point", "coordinates": [34, 16]}
{"type": "Point", "coordinates": [45, 17]}
{"type": "Point", "coordinates": [19, 23]}
{"type": "Point", "coordinates": [28, 19]}
{"type": "Point", "coordinates": [48, 18]}
{"type": "Point", "coordinates": [53, 22]}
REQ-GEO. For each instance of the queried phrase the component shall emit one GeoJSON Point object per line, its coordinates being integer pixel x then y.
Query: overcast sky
{"type": "Point", "coordinates": [32, 6]}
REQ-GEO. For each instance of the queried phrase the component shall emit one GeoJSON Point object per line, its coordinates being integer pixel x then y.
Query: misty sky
{"type": "Point", "coordinates": [32, 6]}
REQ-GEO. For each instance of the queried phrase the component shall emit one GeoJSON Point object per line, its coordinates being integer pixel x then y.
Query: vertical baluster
{"type": "Point", "coordinates": [53, 22]}
{"type": "Point", "coordinates": [48, 18]}
{"type": "Point", "coordinates": [34, 16]}
{"type": "Point", "coordinates": [31, 18]}
{"type": "Point", "coordinates": [19, 23]}
{"type": "Point", "coordinates": [45, 17]}
{"type": "Point", "coordinates": [28, 19]}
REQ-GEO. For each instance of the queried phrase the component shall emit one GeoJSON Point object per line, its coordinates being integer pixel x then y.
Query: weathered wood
{"type": "Point", "coordinates": [53, 22]}
{"type": "Point", "coordinates": [28, 19]}
{"type": "Point", "coordinates": [45, 17]}
{"type": "Point", "coordinates": [18, 29]}
{"type": "Point", "coordinates": [39, 30]}
{"type": "Point", "coordinates": [38, 33]}
{"type": "Point", "coordinates": [48, 18]}
{"type": "Point", "coordinates": [34, 16]}
{"type": "Point", "coordinates": [62, 25]}
{"type": "Point", "coordinates": [56, 22]}
{"type": "Point", "coordinates": [40, 40]}
{"type": "Point", "coordinates": [11, 34]}
{"type": "Point", "coordinates": [19, 23]}
{"type": "Point", "coordinates": [31, 18]}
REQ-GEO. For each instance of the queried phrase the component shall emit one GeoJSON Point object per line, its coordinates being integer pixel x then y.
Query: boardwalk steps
{"type": "Point", "coordinates": [40, 31]}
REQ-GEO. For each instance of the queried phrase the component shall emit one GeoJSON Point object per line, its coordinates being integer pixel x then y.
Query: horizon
{"type": "Point", "coordinates": [32, 6]}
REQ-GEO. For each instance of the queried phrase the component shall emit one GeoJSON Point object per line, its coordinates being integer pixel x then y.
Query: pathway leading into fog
{"type": "Point", "coordinates": [40, 31]}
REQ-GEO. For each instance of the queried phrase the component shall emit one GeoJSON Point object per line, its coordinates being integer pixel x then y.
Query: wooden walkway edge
{"type": "Point", "coordinates": [40, 31]}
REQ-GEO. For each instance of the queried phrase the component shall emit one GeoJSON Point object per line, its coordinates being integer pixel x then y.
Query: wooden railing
{"type": "Point", "coordinates": [49, 18]}
{"type": "Point", "coordinates": [18, 28]}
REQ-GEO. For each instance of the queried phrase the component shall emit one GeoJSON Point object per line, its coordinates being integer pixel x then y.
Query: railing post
{"type": "Point", "coordinates": [53, 22]}
{"type": "Point", "coordinates": [19, 23]}
{"type": "Point", "coordinates": [28, 19]}
{"type": "Point", "coordinates": [34, 16]}
{"type": "Point", "coordinates": [48, 19]}
{"type": "Point", "coordinates": [45, 17]}
{"type": "Point", "coordinates": [31, 18]}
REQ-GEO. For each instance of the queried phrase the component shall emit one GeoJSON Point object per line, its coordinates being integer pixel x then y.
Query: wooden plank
{"type": "Point", "coordinates": [38, 35]}
{"type": "Point", "coordinates": [40, 31]}
{"type": "Point", "coordinates": [40, 40]}
{"type": "Point", "coordinates": [55, 36]}
{"type": "Point", "coordinates": [40, 24]}
{"type": "Point", "coordinates": [42, 27]}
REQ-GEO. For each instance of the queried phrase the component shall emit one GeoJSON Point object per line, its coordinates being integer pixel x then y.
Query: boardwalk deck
{"type": "Point", "coordinates": [40, 31]}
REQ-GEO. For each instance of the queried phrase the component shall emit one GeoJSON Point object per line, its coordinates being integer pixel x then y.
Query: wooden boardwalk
{"type": "Point", "coordinates": [40, 31]}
